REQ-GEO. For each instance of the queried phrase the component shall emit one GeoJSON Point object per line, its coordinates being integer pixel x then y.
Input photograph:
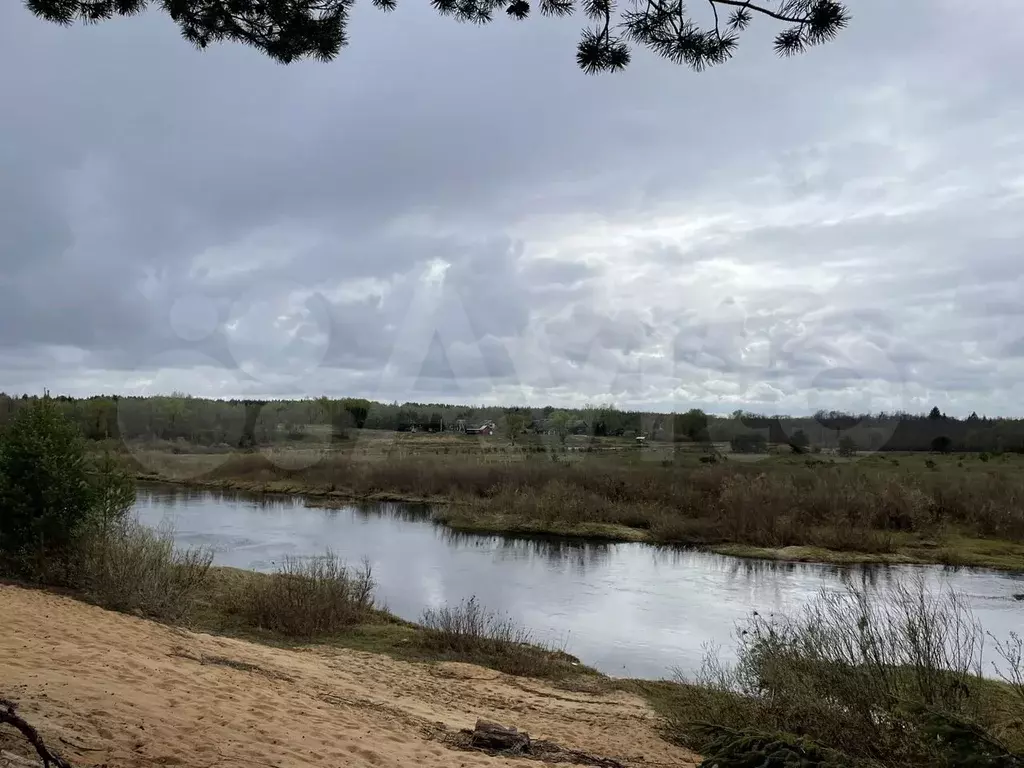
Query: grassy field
{"type": "Point", "coordinates": [957, 509]}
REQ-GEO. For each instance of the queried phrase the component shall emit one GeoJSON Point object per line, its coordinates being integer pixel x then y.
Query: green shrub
{"type": "Point", "coordinates": [66, 522]}
{"type": "Point", "coordinates": [307, 597]}
{"type": "Point", "coordinates": [112, 499]}
{"type": "Point", "coordinates": [731, 748]}
{"type": "Point", "coordinates": [45, 492]}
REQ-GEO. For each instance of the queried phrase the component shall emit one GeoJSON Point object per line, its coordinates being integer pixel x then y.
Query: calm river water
{"type": "Point", "coordinates": [627, 609]}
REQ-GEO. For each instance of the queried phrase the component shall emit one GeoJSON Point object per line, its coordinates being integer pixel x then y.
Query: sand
{"type": "Point", "coordinates": [107, 689]}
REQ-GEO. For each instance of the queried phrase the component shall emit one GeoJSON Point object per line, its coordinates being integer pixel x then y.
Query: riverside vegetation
{"type": "Point", "coordinates": [66, 524]}
{"type": "Point", "coordinates": [915, 508]}
{"type": "Point", "coordinates": [745, 485]}
{"type": "Point", "coordinates": [852, 682]}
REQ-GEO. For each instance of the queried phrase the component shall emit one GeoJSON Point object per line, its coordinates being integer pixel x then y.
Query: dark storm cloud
{"type": "Point", "coordinates": [459, 211]}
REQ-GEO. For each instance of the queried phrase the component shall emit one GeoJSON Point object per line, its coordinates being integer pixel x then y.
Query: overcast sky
{"type": "Point", "coordinates": [456, 213]}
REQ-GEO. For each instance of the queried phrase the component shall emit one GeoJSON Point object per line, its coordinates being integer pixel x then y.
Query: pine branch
{"type": "Point", "coordinates": [759, 9]}
{"type": "Point", "coordinates": [288, 30]}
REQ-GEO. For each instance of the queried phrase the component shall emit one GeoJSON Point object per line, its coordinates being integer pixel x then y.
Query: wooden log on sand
{"type": "Point", "coordinates": [498, 738]}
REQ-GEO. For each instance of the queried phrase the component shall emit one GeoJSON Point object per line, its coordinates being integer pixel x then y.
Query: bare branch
{"type": "Point", "coordinates": [718, 32]}
{"type": "Point", "coordinates": [10, 717]}
{"type": "Point", "coordinates": [760, 9]}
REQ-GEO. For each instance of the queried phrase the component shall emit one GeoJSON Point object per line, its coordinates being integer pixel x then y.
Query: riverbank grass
{"type": "Point", "coordinates": [956, 510]}
{"type": "Point", "coordinates": [950, 549]}
{"type": "Point", "coordinates": [866, 683]}
{"type": "Point", "coordinates": [344, 616]}
{"type": "Point", "coordinates": [894, 683]}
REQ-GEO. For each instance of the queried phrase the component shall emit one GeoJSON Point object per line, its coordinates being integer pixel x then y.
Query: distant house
{"type": "Point", "coordinates": [487, 428]}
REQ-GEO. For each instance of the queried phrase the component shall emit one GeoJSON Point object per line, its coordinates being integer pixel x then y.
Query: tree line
{"type": "Point", "coordinates": [241, 423]}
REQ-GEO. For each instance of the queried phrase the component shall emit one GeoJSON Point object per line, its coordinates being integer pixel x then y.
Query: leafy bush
{"type": "Point", "coordinates": [131, 568]}
{"type": "Point", "coordinates": [45, 492]}
{"type": "Point", "coordinates": [308, 597]}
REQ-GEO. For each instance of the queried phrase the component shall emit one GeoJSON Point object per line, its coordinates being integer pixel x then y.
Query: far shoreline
{"type": "Point", "coordinates": [969, 553]}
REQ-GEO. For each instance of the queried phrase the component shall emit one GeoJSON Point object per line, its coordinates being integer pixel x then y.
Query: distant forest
{"type": "Point", "coordinates": [242, 423]}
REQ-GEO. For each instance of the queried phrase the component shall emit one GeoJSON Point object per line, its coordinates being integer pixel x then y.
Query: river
{"type": "Point", "coordinates": [630, 610]}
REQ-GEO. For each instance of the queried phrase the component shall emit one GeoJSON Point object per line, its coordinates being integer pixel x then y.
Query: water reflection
{"type": "Point", "coordinates": [628, 609]}
{"type": "Point", "coordinates": [410, 513]}
{"type": "Point", "coordinates": [557, 552]}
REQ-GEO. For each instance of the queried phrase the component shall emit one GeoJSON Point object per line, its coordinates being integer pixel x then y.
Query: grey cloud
{"type": "Point", "coordinates": [459, 211]}
{"type": "Point", "coordinates": [1015, 348]}
{"type": "Point", "coordinates": [552, 273]}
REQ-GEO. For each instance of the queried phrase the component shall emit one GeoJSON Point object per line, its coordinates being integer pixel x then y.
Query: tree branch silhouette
{"type": "Point", "coordinates": [289, 30]}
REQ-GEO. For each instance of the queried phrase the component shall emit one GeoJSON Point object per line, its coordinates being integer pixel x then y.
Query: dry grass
{"type": "Point", "coordinates": [869, 506]}
{"type": "Point", "coordinates": [306, 598]}
{"type": "Point", "coordinates": [884, 682]}
{"type": "Point", "coordinates": [469, 626]}
{"type": "Point", "coordinates": [508, 650]}
{"type": "Point", "coordinates": [138, 570]}
{"type": "Point", "coordinates": [472, 633]}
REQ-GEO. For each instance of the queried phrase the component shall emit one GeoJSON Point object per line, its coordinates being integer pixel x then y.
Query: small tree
{"type": "Point", "coordinates": [113, 497]}
{"type": "Point", "coordinates": [560, 424]}
{"type": "Point", "coordinates": [514, 424]}
{"type": "Point", "coordinates": [799, 442]}
{"type": "Point", "coordinates": [359, 410]}
{"type": "Point", "coordinates": [693, 425]}
{"type": "Point", "coordinates": [45, 494]}
{"type": "Point", "coordinates": [942, 444]}
{"type": "Point", "coordinates": [847, 446]}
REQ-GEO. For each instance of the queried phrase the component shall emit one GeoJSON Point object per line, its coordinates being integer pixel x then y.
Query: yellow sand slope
{"type": "Point", "coordinates": [109, 689]}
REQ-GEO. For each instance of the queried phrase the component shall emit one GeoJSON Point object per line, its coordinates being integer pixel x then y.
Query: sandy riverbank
{"type": "Point", "coordinates": [109, 689]}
